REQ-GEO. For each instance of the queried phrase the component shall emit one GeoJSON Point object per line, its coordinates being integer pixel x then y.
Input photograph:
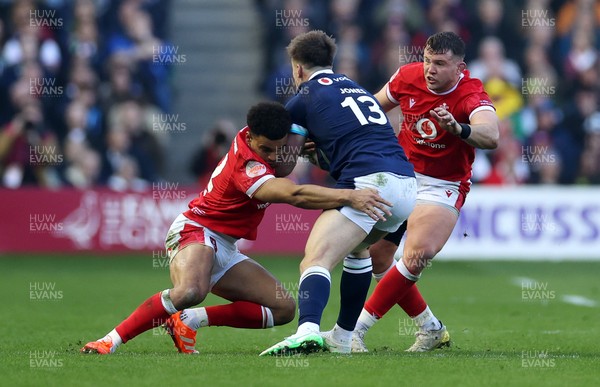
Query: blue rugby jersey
{"type": "Point", "coordinates": [348, 127]}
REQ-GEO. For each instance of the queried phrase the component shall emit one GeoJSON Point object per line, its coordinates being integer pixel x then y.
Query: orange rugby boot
{"type": "Point", "coordinates": [183, 336]}
{"type": "Point", "coordinates": [102, 347]}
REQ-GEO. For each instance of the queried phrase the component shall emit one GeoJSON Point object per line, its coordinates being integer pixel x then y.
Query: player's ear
{"type": "Point", "coordinates": [248, 138]}
{"type": "Point", "coordinates": [461, 67]}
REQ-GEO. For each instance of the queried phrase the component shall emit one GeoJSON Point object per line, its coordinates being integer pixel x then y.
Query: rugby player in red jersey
{"type": "Point", "coordinates": [201, 241]}
{"type": "Point", "coordinates": [447, 114]}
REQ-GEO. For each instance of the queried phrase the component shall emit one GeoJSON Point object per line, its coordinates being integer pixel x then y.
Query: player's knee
{"type": "Point", "coordinates": [417, 258]}
{"type": "Point", "coordinates": [309, 261]}
{"type": "Point", "coordinates": [188, 296]}
{"type": "Point", "coordinates": [382, 254]}
{"type": "Point", "coordinates": [285, 311]}
{"type": "Point", "coordinates": [317, 258]}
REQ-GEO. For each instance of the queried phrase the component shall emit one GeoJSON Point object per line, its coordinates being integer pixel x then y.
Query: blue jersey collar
{"type": "Point", "coordinates": [326, 71]}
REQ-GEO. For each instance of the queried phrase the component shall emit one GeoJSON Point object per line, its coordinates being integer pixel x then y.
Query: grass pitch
{"type": "Point", "coordinates": [511, 323]}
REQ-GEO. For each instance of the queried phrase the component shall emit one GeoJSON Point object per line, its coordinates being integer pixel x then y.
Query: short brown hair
{"type": "Point", "coordinates": [313, 49]}
{"type": "Point", "coordinates": [443, 42]}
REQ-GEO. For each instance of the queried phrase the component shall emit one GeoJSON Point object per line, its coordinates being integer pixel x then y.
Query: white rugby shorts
{"type": "Point", "coordinates": [449, 194]}
{"type": "Point", "coordinates": [399, 190]}
{"type": "Point", "coordinates": [184, 232]}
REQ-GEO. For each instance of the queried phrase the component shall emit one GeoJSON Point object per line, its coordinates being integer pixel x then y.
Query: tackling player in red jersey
{"type": "Point", "coordinates": [447, 115]}
{"type": "Point", "coordinates": [201, 241]}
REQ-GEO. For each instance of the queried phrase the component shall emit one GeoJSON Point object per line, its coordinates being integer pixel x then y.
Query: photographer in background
{"type": "Point", "coordinates": [29, 154]}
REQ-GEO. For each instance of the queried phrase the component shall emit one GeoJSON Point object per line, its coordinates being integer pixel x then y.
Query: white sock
{"type": "Point", "coordinates": [379, 276]}
{"type": "Point", "coordinates": [427, 321]}
{"type": "Point", "coordinates": [165, 298]}
{"type": "Point", "coordinates": [406, 273]}
{"type": "Point", "coordinates": [365, 321]}
{"type": "Point", "coordinates": [307, 327]}
{"type": "Point", "coordinates": [270, 321]}
{"type": "Point", "coordinates": [115, 338]}
{"type": "Point", "coordinates": [195, 317]}
{"type": "Point", "coordinates": [341, 335]}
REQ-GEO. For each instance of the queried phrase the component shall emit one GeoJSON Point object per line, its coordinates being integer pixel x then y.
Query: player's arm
{"type": "Point", "coordinates": [484, 130]}
{"type": "Point", "coordinates": [288, 155]}
{"type": "Point", "coordinates": [384, 100]}
{"type": "Point", "coordinates": [387, 104]}
{"type": "Point", "coordinates": [481, 132]}
{"type": "Point", "coordinates": [281, 190]}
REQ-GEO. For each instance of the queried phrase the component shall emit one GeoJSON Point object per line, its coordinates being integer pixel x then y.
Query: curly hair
{"type": "Point", "coordinates": [269, 119]}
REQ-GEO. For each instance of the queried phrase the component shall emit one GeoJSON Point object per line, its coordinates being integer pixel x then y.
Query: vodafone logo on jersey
{"type": "Point", "coordinates": [325, 81]}
{"type": "Point", "coordinates": [254, 169]}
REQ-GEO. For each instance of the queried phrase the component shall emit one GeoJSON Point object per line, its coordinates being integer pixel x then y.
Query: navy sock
{"type": "Point", "coordinates": [313, 294]}
{"type": "Point", "coordinates": [356, 279]}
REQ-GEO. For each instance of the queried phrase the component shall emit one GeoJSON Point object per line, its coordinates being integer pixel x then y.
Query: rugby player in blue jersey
{"type": "Point", "coordinates": [353, 136]}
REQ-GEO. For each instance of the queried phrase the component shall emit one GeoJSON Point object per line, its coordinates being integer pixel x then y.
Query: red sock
{"type": "Point", "coordinates": [388, 292]}
{"type": "Point", "coordinates": [413, 302]}
{"type": "Point", "coordinates": [149, 315]}
{"type": "Point", "coordinates": [239, 314]}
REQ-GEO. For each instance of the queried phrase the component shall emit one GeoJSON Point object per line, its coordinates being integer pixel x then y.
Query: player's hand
{"type": "Point", "coordinates": [446, 120]}
{"type": "Point", "coordinates": [368, 201]}
{"type": "Point", "coordinates": [309, 150]}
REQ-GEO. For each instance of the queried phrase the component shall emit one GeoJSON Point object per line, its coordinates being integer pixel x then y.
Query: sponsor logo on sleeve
{"type": "Point", "coordinates": [254, 169]}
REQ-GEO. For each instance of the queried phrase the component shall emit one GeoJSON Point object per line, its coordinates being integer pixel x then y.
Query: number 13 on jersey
{"type": "Point", "coordinates": [378, 117]}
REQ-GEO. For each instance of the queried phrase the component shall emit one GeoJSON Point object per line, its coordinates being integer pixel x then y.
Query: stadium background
{"type": "Point", "coordinates": [114, 108]}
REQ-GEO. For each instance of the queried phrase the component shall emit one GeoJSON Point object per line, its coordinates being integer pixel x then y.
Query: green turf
{"type": "Point", "coordinates": [499, 338]}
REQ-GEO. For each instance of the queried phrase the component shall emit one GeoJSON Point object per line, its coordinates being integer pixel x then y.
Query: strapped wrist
{"type": "Point", "coordinates": [465, 131]}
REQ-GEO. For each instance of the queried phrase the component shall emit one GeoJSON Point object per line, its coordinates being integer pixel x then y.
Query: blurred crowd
{"type": "Point", "coordinates": [538, 59]}
{"type": "Point", "coordinates": [81, 87]}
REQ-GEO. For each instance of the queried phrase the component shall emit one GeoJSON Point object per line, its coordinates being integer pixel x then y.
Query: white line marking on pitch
{"type": "Point", "coordinates": [573, 299]}
{"type": "Point", "coordinates": [579, 300]}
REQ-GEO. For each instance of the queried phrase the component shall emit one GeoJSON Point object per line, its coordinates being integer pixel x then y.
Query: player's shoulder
{"type": "Point", "coordinates": [472, 94]}
{"type": "Point", "coordinates": [409, 74]}
{"type": "Point", "coordinates": [473, 85]}
{"type": "Point", "coordinates": [325, 83]}
{"type": "Point", "coordinates": [412, 70]}
{"type": "Point", "coordinates": [240, 152]}
{"type": "Point", "coordinates": [245, 159]}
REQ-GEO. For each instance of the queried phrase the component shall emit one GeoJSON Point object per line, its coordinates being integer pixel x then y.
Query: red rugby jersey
{"type": "Point", "coordinates": [226, 205]}
{"type": "Point", "coordinates": [434, 151]}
